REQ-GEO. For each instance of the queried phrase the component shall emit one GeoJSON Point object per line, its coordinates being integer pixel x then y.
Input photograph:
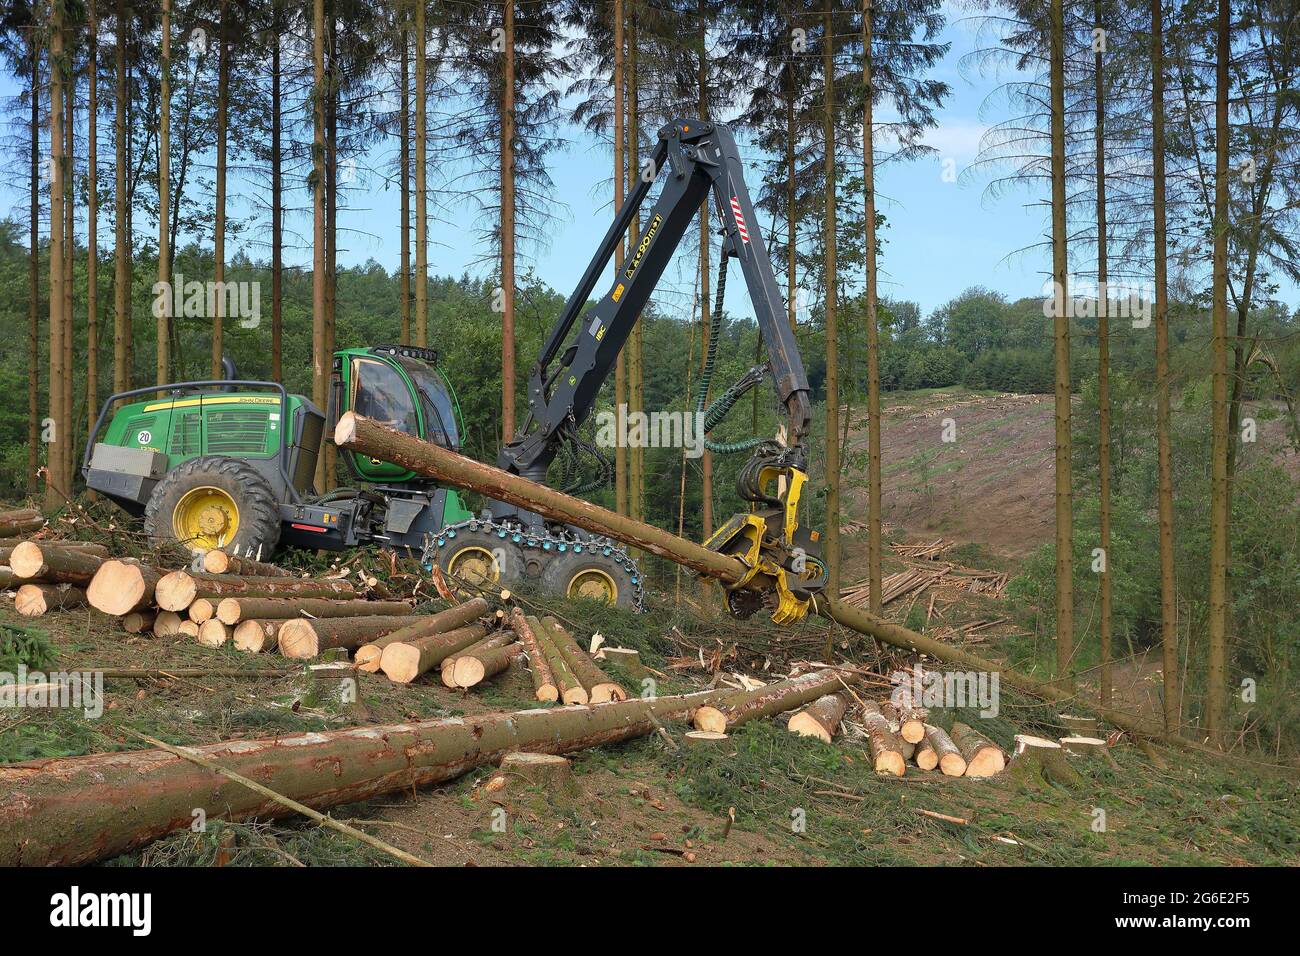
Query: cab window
{"type": "Point", "coordinates": [380, 392]}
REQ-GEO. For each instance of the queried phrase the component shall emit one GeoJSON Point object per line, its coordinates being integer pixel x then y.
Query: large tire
{"type": "Point", "coordinates": [475, 558]}
{"type": "Point", "coordinates": [591, 575]}
{"type": "Point", "coordinates": [211, 502]}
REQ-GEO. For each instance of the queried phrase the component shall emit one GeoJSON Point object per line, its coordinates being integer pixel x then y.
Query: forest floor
{"type": "Point", "coordinates": [647, 802]}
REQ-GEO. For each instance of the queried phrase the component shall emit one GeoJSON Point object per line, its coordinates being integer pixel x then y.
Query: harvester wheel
{"type": "Point", "coordinates": [211, 502]}
{"type": "Point", "coordinates": [479, 559]}
{"type": "Point", "coordinates": [591, 575]}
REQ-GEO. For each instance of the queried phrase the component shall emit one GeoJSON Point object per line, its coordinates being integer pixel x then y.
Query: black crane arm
{"type": "Point", "coordinates": [697, 157]}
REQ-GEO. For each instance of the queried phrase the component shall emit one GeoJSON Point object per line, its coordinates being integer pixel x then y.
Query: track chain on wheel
{"type": "Point", "coordinates": [546, 541]}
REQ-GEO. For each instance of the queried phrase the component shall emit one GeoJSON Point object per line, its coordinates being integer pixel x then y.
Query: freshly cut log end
{"type": "Point", "coordinates": [1040, 762]}
{"type": "Point", "coordinates": [575, 695]}
{"type": "Point", "coordinates": [951, 762]}
{"type": "Point", "coordinates": [1079, 726]}
{"type": "Point", "coordinates": [218, 561]}
{"type": "Point", "coordinates": [400, 662]}
{"type": "Point", "coordinates": [202, 610]}
{"type": "Point", "coordinates": [137, 622]}
{"type": "Point", "coordinates": [302, 639]}
{"type": "Point", "coordinates": [34, 600]}
{"type": "Point", "coordinates": [188, 628]}
{"type": "Point", "coordinates": [176, 591]}
{"type": "Point", "coordinates": [710, 720]}
{"type": "Point", "coordinates": [212, 633]}
{"type": "Point", "coordinates": [983, 758]}
{"type": "Point", "coordinates": [820, 719]}
{"type": "Point", "coordinates": [253, 637]}
{"type": "Point", "coordinates": [600, 693]}
{"type": "Point", "coordinates": [167, 624]}
{"type": "Point", "coordinates": [297, 638]}
{"type": "Point", "coordinates": [544, 688]}
{"type": "Point", "coordinates": [228, 611]}
{"type": "Point", "coordinates": [120, 587]}
{"type": "Point", "coordinates": [703, 738]}
{"type": "Point", "coordinates": [926, 757]}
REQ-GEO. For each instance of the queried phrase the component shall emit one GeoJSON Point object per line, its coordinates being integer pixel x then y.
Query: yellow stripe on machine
{"type": "Point", "coordinates": [223, 400]}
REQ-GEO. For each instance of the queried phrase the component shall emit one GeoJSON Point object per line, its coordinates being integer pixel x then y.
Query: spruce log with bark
{"type": "Point", "coordinates": [187, 628]}
{"type": "Point", "coordinates": [255, 635]}
{"type": "Point", "coordinates": [598, 685]}
{"type": "Point", "coordinates": [567, 684]}
{"type": "Point", "coordinates": [886, 747]}
{"type": "Point", "coordinates": [1039, 761]}
{"type": "Point", "coordinates": [137, 622]}
{"type": "Point", "coordinates": [369, 656]}
{"type": "Point", "coordinates": [820, 719]}
{"type": "Point", "coordinates": [120, 587]}
{"type": "Point", "coordinates": [34, 600]}
{"type": "Point", "coordinates": [201, 610]}
{"type": "Point", "coordinates": [983, 757]}
{"type": "Point", "coordinates": [543, 680]}
{"type": "Point", "coordinates": [303, 639]}
{"type": "Point", "coordinates": [909, 720]}
{"type": "Point", "coordinates": [165, 623]}
{"type": "Point", "coordinates": [212, 633]}
{"type": "Point", "coordinates": [404, 661]}
{"type": "Point", "coordinates": [23, 521]}
{"type": "Point", "coordinates": [926, 757]}
{"type": "Point", "coordinates": [765, 701]}
{"type": "Point", "coordinates": [482, 661]}
{"type": "Point", "coordinates": [179, 589]}
{"type": "Point", "coordinates": [218, 561]}
{"type": "Point", "coordinates": [7, 546]}
{"type": "Point", "coordinates": [490, 641]}
{"type": "Point", "coordinates": [232, 610]}
{"type": "Point", "coordinates": [47, 562]}
{"type": "Point", "coordinates": [76, 810]}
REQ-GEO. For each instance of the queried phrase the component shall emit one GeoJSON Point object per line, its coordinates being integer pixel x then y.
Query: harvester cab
{"type": "Point", "coordinates": [231, 462]}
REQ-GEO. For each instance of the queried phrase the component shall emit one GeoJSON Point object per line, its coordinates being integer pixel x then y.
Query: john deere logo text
{"type": "Point", "coordinates": [645, 244]}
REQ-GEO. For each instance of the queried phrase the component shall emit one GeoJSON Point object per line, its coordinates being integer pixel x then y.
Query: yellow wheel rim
{"type": "Point", "coordinates": [205, 518]}
{"type": "Point", "coordinates": [594, 585]}
{"type": "Point", "coordinates": [474, 565]}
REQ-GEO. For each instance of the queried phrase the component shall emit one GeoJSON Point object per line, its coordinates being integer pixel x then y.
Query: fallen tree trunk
{"type": "Point", "coordinates": [820, 719]}
{"type": "Point", "coordinates": [76, 810]}
{"type": "Point", "coordinates": [232, 610]}
{"type": "Point", "coordinates": [33, 600]}
{"type": "Point", "coordinates": [180, 589]}
{"type": "Point", "coordinates": [404, 661]}
{"type": "Point", "coordinates": [218, 561]}
{"type": "Point", "coordinates": [81, 547]}
{"type": "Point", "coordinates": [767, 701]}
{"type": "Point", "coordinates": [543, 681]}
{"type": "Point", "coordinates": [926, 757]}
{"type": "Point", "coordinates": [983, 757]}
{"type": "Point", "coordinates": [951, 763]}
{"type": "Point", "coordinates": [302, 639]}
{"type": "Point", "coordinates": [598, 685]}
{"type": "Point", "coordinates": [433, 461]}
{"type": "Point", "coordinates": [120, 587]}
{"type": "Point", "coordinates": [30, 560]}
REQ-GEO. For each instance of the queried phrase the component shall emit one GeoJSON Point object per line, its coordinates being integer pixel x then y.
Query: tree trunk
{"type": "Point", "coordinates": [885, 745]}
{"type": "Point", "coordinates": [404, 112]}
{"type": "Point", "coordinates": [1060, 268]}
{"type": "Point", "coordinates": [60, 427]}
{"type": "Point", "coordinates": [406, 659]}
{"type": "Point", "coordinates": [767, 701]}
{"type": "Point", "coordinates": [232, 610]}
{"type": "Point", "coordinates": [320, 357]}
{"type": "Point", "coordinates": [543, 680]}
{"type": "Point", "coordinates": [218, 561]}
{"type": "Point", "coordinates": [621, 177]}
{"type": "Point", "coordinates": [33, 600]}
{"type": "Point", "coordinates": [820, 719]}
{"type": "Point", "coordinates": [302, 639]}
{"type": "Point", "coordinates": [122, 801]}
{"type": "Point", "coordinates": [421, 193]}
{"type": "Point", "coordinates": [831, 546]}
{"type": "Point", "coordinates": [162, 369]}
{"type": "Point", "coordinates": [508, 227]}
{"type": "Point", "coordinates": [120, 587]}
{"type": "Point", "coordinates": [92, 218]}
{"type": "Point", "coordinates": [69, 251]}
{"type": "Point", "coordinates": [1165, 470]}
{"type": "Point", "coordinates": [1216, 675]}
{"type": "Point", "coordinates": [706, 460]}
{"type": "Point", "coordinates": [1103, 367]}
{"type": "Point", "coordinates": [34, 269]}
{"type": "Point", "coordinates": [874, 515]}
{"type": "Point", "coordinates": [253, 636]}
{"type": "Point", "coordinates": [983, 759]}
{"type": "Point", "coordinates": [599, 686]}
{"type": "Point", "coordinates": [202, 610]}
{"type": "Point", "coordinates": [277, 203]}
{"type": "Point", "coordinates": [219, 228]}
{"type": "Point", "coordinates": [568, 686]}
{"type": "Point", "coordinates": [635, 372]}
{"type": "Point", "coordinates": [333, 84]}
{"type": "Point", "coordinates": [31, 561]}
{"type": "Point", "coordinates": [482, 661]}
{"type": "Point", "coordinates": [179, 589]}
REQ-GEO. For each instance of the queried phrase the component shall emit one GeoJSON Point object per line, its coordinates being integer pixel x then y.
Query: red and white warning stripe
{"type": "Point", "coordinates": [740, 219]}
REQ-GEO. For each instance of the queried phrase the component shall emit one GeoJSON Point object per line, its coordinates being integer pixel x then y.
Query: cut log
{"type": "Point", "coordinates": [1038, 762]}
{"type": "Point", "coordinates": [201, 610]}
{"type": "Point", "coordinates": [22, 521]}
{"type": "Point", "coordinates": [567, 684]}
{"type": "Point", "coordinates": [80, 547]}
{"type": "Point", "coordinates": [983, 758]}
{"type": "Point", "coordinates": [121, 801]}
{"type": "Point", "coordinates": [926, 757]}
{"type": "Point", "coordinates": [8, 579]}
{"type": "Point", "coordinates": [370, 656]}
{"type": "Point", "coordinates": [165, 623]}
{"type": "Point", "coordinates": [477, 656]}
{"type": "Point", "coordinates": [599, 686]}
{"type": "Point", "coordinates": [254, 636]}
{"type": "Point", "coordinates": [187, 627]}
{"type": "Point", "coordinates": [218, 561]}
{"type": "Point", "coordinates": [137, 622]}
{"type": "Point", "coordinates": [544, 688]}
{"type": "Point", "coordinates": [766, 701]}
{"type": "Point", "coordinates": [951, 762]}
{"type": "Point", "coordinates": [212, 633]}
{"type": "Point", "coordinates": [909, 720]}
{"type": "Point", "coordinates": [885, 746]}
{"type": "Point", "coordinates": [404, 661]}
{"type": "Point", "coordinates": [820, 719]}
{"type": "Point", "coordinates": [303, 639]}
{"type": "Point", "coordinates": [33, 600]}
{"type": "Point", "coordinates": [703, 738]}
{"type": "Point", "coordinates": [232, 610]}
{"type": "Point", "coordinates": [120, 587]}
{"type": "Point", "coordinates": [180, 589]}
{"type": "Point", "coordinates": [31, 561]}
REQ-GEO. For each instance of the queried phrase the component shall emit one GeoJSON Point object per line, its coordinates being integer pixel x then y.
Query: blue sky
{"type": "Point", "coordinates": [942, 238]}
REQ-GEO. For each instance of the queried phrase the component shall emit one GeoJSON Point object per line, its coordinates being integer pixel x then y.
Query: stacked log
{"type": "Point", "coordinates": [819, 719]}
{"type": "Point", "coordinates": [122, 586]}
{"type": "Point", "coordinates": [304, 639]}
{"type": "Point", "coordinates": [599, 686]}
{"type": "Point", "coordinates": [766, 701]}
{"type": "Point", "coordinates": [33, 600]}
{"type": "Point", "coordinates": [404, 661]}
{"type": "Point", "coordinates": [33, 561]}
{"type": "Point", "coordinates": [218, 561]}
{"type": "Point", "coordinates": [886, 747]}
{"type": "Point", "coordinates": [179, 589]}
{"type": "Point", "coordinates": [22, 521]}
{"type": "Point", "coordinates": [983, 758]}
{"type": "Point", "coordinates": [369, 655]}
{"type": "Point", "coordinates": [567, 685]}
{"type": "Point", "coordinates": [544, 687]}
{"type": "Point", "coordinates": [477, 663]}
{"type": "Point", "coordinates": [232, 610]}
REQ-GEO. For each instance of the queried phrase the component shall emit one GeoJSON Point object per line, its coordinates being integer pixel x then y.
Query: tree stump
{"type": "Point", "coordinates": [1039, 762]}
